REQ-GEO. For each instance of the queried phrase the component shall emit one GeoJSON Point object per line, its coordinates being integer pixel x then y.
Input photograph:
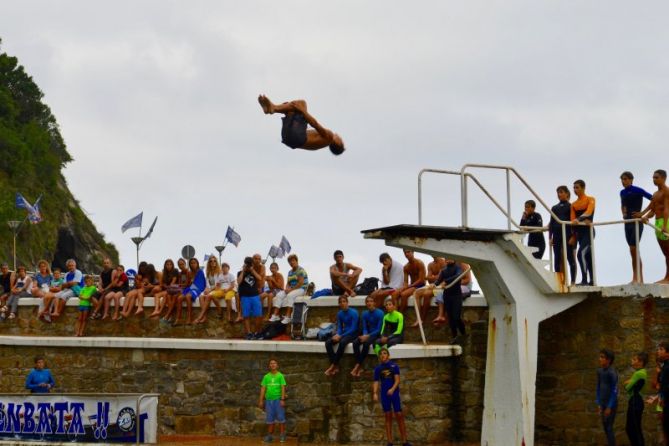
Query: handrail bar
{"type": "Point", "coordinates": [420, 188]}
{"type": "Point", "coordinates": [417, 307]}
{"type": "Point", "coordinates": [464, 175]}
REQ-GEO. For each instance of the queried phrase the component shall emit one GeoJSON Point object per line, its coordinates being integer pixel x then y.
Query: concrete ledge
{"type": "Point", "coordinates": [402, 351]}
{"type": "Point", "coordinates": [477, 300]}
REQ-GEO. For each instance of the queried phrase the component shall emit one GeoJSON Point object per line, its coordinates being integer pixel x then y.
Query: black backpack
{"type": "Point", "coordinates": [367, 287]}
{"type": "Point", "coordinates": [273, 329]}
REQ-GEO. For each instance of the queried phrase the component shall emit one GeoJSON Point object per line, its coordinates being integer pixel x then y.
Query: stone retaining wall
{"type": "Point", "coordinates": [569, 345]}
{"type": "Point", "coordinates": [206, 392]}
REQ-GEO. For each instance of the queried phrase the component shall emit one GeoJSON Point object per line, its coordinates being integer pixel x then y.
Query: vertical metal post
{"type": "Point", "coordinates": [637, 260]}
{"type": "Point", "coordinates": [592, 254]}
{"type": "Point", "coordinates": [508, 199]}
{"type": "Point", "coordinates": [420, 198]}
{"type": "Point", "coordinates": [14, 250]}
{"type": "Point", "coordinates": [463, 198]}
{"type": "Point", "coordinates": [563, 265]}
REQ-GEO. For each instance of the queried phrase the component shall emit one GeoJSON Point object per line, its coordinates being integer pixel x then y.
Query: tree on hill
{"type": "Point", "coordinates": [32, 154]}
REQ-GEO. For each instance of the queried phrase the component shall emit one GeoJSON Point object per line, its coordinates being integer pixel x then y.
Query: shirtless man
{"type": "Point", "coordinates": [344, 276]}
{"type": "Point", "coordinates": [294, 131]}
{"type": "Point", "coordinates": [659, 208]}
{"type": "Point", "coordinates": [414, 278]}
{"type": "Point", "coordinates": [424, 296]}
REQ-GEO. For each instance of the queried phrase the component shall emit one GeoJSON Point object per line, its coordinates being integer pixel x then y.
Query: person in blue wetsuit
{"type": "Point", "coordinates": [631, 201]}
{"type": "Point", "coordinates": [372, 321]}
{"type": "Point", "coordinates": [39, 379]}
{"type": "Point", "coordinates": [386, 388]}
{"type": "Point", "coordinates": [607, 393]}
{"type": "Point", "coordinates": [347, 331]}
{"type": "Point", "coordinates": [562, 211]}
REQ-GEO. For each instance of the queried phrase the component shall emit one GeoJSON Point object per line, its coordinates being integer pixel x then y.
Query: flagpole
{"type": "Point", "coordinates": [15, 226]}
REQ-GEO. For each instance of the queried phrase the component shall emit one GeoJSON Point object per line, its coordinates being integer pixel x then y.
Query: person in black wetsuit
{"type": "Point", "coordinates": [631, 202]}
{"type": "Point", "coordinates": [562, 211]}
{"type": "Point", "coordinates": [294, 132]}
{"type": "Point", "coordinates": [532, 218]}
{"type": "Point", "coordinates": [582, 213]}
{"type": "Point", "coordinates": [607, 393]}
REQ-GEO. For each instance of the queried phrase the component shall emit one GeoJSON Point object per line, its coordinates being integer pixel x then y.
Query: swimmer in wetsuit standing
{"type": "Point", "coordinates": [294, 132]}
{"type": "Point", "coordinates": [582, 211]}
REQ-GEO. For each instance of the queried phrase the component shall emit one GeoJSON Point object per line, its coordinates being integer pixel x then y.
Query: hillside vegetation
{"type": "Point", "coordinates": [32, 155]}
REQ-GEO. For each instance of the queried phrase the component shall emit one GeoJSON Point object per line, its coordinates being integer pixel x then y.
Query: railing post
{"type": "Point", "coordinates": [508, 199]}
{"type": "Point", "coordinates": [592, 254]}
{"type": "Point", "coordinates": [565, 262]}
{"type": "Point", "coordinates": [420, 198]}
{"type": "Point", "coordinates": [463, 199]}
{"type": "Point", "coordinates": [637, 260]}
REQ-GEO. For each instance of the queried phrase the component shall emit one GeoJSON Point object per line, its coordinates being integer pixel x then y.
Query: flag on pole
{"type": "Point", "coordinates": [274, 252]}
{"type": "Point", "coordinates": [34, 215]}
{"type": "Point", "coordinates": [148, 234]}
{"type": "Point", "coordinates": [233, 237]}
{"type": "Point", "coordinates": [284, 245]}
{"type": "Point", "coordinates": [134, 222]}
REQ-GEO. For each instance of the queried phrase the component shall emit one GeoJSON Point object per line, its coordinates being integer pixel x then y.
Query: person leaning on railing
{"type": "Point", "coordinates": [562, 211]}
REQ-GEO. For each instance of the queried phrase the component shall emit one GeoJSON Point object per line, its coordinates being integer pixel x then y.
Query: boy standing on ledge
{"type": "Point", "coordinates": [273, 400]}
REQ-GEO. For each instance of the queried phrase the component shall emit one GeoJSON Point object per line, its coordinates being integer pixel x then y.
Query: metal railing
{"type": "Point", "coordinates": [508, 170]}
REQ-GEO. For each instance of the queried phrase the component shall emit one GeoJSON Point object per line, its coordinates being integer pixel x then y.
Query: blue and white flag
{"type": "Point", "coordinates": [153, 225]}
{"type": "Point", "coordinates": [134, 222]}
{"type": "Point", "coordinates": [34, 215]}
{"type": "Point", "coordinates": [274, 252]}
{"type": "Point", "coordinates": [233, 237]}
{"type": "Point", "coordinates": [284, 245]}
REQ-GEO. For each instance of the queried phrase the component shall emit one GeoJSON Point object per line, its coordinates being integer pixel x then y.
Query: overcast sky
{"type": "Point", "coordinates": [157, 104]}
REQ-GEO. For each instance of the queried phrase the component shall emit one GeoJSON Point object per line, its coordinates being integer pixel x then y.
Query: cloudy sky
{"type": "Point", "coordinates": [157, 104]}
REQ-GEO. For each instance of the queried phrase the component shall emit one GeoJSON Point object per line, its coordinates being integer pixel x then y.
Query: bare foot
{"type": "Point", "coordinates": [415, 325]}
{"type": "Point", "coordinates": [328, 372]}
{"type": "Point", "coordinates": [439, 320]}
{"type": "Point", "coordinates": [334, 371]}
{"type": "Point", "coordinates": [140, 311]}
{"type": "Point", "coordinates": [360, 372]}
{"type": "Point", "coordinates": [355, 370]}
{"type": "Point", "coordinates": [265, 103]}
{"type": "Point", "coordinates": [154, 315]}
{"type": "Point", "coordinates": [664, 281]}
{"type": "Point", "coordinates": [105, 316]}
{"type": "Point", "coordinates": [239, 319]}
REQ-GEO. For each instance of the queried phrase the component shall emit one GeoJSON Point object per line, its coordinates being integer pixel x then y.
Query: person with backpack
{"type": "Point", "coordinates": [344, 276]}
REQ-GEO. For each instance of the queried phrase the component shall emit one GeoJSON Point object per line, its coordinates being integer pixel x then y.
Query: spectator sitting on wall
{"type": "Point", "coordinates": [392, 275]}
{"type": "Point", "coordinates": [344, 276]}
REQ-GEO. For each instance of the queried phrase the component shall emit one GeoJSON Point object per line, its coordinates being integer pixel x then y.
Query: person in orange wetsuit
{"type": "Point", "coordinates": [582, 213]}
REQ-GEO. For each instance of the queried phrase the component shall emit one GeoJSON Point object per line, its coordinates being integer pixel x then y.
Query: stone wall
{"type": "Point", "coordinates": [204, 392]}
{"type": "Point", "coordinates": [215, 392]}
{"type": "Point", "coordinates": [569, 345]}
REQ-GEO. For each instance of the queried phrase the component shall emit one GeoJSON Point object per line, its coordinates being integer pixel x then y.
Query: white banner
{"type": "Point", "coordinates": [86, 418]}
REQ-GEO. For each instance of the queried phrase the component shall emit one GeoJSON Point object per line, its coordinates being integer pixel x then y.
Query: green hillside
{"type": "Point", "coordinates": [32, 154]}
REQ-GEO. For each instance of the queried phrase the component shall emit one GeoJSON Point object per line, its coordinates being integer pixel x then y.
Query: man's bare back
{"type": "Point", "coordinates": [294, 132]}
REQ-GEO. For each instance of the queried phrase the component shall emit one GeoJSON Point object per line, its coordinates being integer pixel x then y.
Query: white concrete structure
{"type": "Point", "coordinates": [520, 293]}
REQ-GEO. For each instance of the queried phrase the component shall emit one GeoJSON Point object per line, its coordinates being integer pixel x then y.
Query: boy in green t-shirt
{"type": "Point", "coordinates": [273, 400]}
{"type": "Point", "coordinates": [85, 295]}
{"type": "Point", "coordinates": [634, 386]}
